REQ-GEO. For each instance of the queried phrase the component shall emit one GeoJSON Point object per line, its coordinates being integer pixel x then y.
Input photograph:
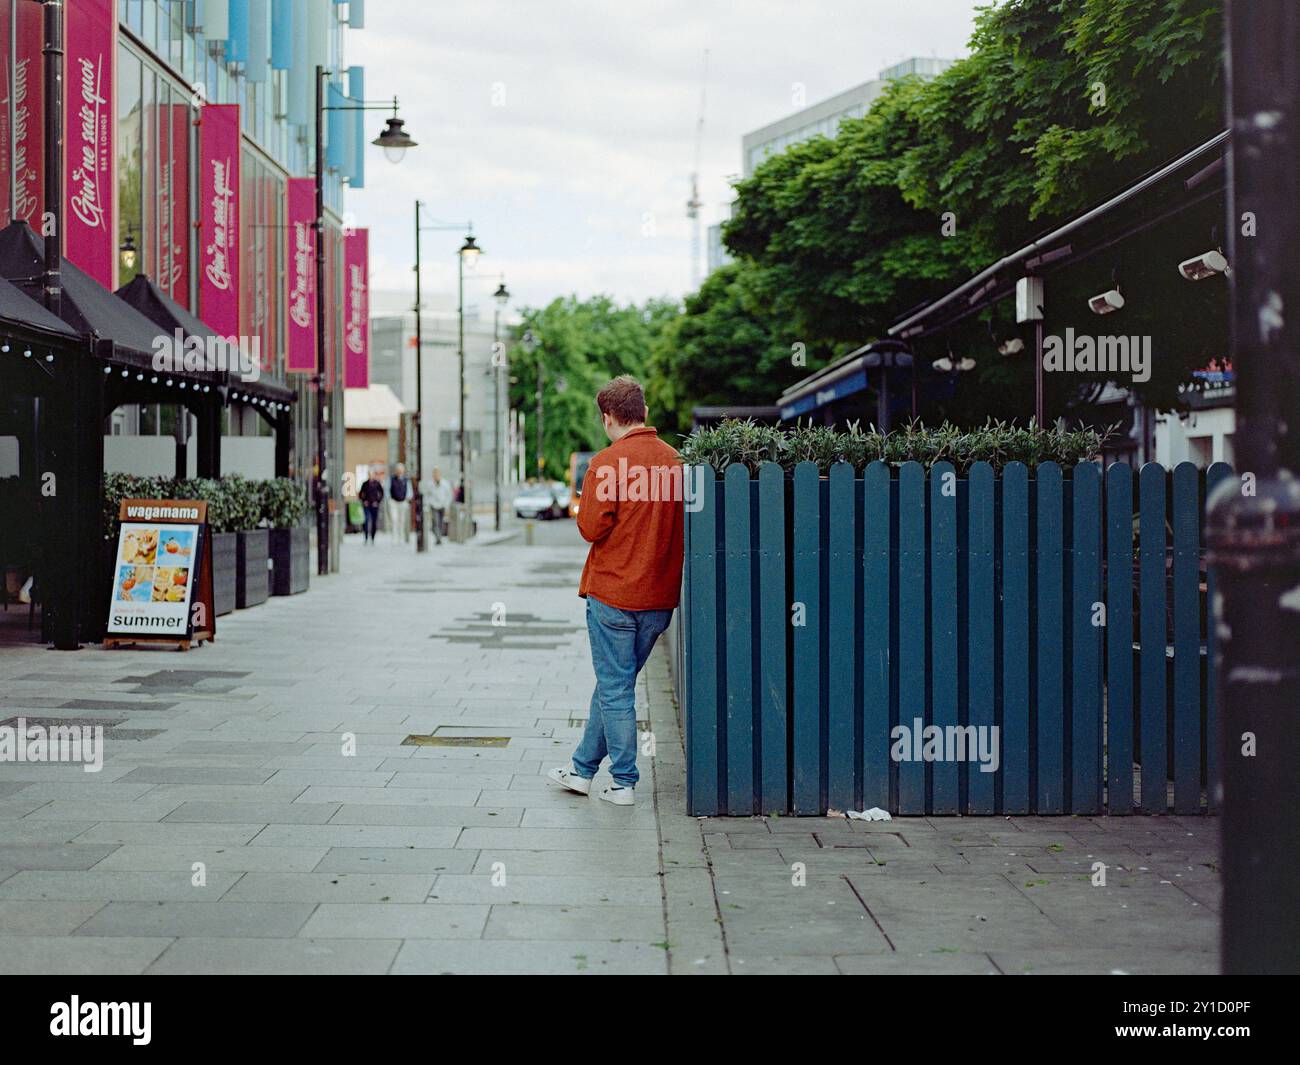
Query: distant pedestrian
{"type": "Point", "coordinates": [631, 582]}
{"type": "Point", "coordinates": [372, 498]}
{"type": "Point", "coordinates": [438, 493]}
{"type": "Point", "coordinates": [399, 507]}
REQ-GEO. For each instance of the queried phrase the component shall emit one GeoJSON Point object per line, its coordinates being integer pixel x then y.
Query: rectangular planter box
{"type": "Point", "coordinates": [822, 616]}
{"type": "Point", "coordinates": [224, 571]}
{"type": "Point", "coordinates": [290, 560]}
{"type": "Point", "coordinates": [252, 554]}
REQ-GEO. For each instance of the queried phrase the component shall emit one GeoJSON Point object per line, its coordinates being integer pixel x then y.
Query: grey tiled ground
{"type": "Point", "coordinates": [241, 838]}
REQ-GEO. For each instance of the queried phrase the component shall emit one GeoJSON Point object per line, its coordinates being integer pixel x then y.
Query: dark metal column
{"type": "Point", "coordinates": [1255, 517]}
{"type": "Point", "coordinates": [421, 534]}
{"type": "Point", "coordinates": [322, 451]}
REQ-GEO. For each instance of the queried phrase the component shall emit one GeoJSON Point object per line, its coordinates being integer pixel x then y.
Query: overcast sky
{"type": "Point", "coordinates": [565, 129]}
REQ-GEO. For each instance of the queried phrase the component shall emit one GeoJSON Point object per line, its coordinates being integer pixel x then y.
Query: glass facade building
{"type": "Point", "coordinates": [172, 58]}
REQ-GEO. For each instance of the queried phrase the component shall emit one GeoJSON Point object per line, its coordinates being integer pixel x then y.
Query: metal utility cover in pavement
{"type": "Point", "coordinates": [455, 741]}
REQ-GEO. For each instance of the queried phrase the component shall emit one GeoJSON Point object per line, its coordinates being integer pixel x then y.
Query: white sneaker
{"type": "Point", "coordinates": [617, 794]}
{"type": "Point", "coordinates": [567, 778]}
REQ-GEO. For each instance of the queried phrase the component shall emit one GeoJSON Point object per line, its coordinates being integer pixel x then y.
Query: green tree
{"type": "Point", "coordinates": [721, 350]}
{"type": "Point", "coordinates": [580, 345]}
{"type": "Point", "coordinates": [1058, 104]}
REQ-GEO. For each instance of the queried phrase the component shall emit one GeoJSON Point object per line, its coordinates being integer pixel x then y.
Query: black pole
{"type": "Point", "coordinates": [421, 535]}
{"type": "Point", "coordinates": [1255, 516]}
{"type": "Point", "coordinates": [496, 413]}
{"type": "Point", "coordinates": [541, 462]}
{"type": "Point", "coordinates": [52, 282]}
{"type": "Point", "coordinates": [322, 485]}
{"type": "Point", "coordinates": [460, 316]}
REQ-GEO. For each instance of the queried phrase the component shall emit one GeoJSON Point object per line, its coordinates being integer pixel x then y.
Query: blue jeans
{"type": "Point", "coordinates": [621, 642]}
{"type": "Point", "coordinates": [371, 522]}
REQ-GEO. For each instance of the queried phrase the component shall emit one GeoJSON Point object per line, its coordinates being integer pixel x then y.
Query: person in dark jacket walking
{"type": "Point", "coordinates": [399, 509]}
{"type": "Point", "coordinates": [372, 498]}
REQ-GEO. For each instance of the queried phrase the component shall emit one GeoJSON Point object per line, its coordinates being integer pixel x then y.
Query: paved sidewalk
{"type": "Point", "coordinates": [933, 894]}
{"type": "Point", "coordinates": [230, 832]}
{"type": "Point", "coordinates": [396, 858]}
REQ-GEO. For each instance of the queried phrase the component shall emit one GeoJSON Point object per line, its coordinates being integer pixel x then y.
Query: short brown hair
{"type": "Point", "coordinates": [623, 400]}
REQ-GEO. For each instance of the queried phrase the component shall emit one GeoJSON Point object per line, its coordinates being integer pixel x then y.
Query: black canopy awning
{"type": "Point", "coordinates": [85, 305]}
{"type": "Point", "coordinates": [19, 310]}
{"type": "Point", "coordinates": [143, 293]}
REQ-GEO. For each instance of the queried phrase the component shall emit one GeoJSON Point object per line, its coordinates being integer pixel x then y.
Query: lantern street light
{"type": "Point", "coordinates": [502, 298]}
{"type": "Point", "coordinates": [394, 140]}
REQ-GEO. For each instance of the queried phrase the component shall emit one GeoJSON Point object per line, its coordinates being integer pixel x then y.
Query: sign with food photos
{"type": "Point", "coordinates": [162, 573]}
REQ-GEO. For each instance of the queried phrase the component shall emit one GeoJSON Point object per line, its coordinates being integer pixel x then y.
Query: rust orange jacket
{"type": "Point", "coordinates": [631, 511]}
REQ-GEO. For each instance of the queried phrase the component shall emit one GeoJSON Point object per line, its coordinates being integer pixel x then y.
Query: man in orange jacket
{"type": "Point", "coordinates": [631, 513]}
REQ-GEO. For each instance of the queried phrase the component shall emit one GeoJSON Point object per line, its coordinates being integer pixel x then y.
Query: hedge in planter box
{"type": "Point", "coordinates": [284, 505]}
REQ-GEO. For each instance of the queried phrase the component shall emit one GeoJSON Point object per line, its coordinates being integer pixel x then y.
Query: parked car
{"type": "Point", "coordinates": [538, 501]}
{"type": "Point", "coordinates": [563, 496]}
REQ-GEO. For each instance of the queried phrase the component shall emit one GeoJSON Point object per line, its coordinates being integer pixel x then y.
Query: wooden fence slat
{"type": "Point", "coordinates": [913, 660]}
{"type": "Point", "coordinates": [806, 621]}
{"type": "Point", "coordinates": [1152, 630]}
{"type": "Point", "coordinates": [980, 631]}
{"type": "Point", "coordinates": [841, 595]}
{"type": "Point", "coordinates": [703, 707]}
{"type": "Point", "coordinates": [1187, 638]}
{"type": "Point", "coordinates": [1119, 639]}
{"type": "Point", "coordinates": [1050, 725]}
{"type": "Point", "coordinates": [773, 624]}
{"type": "Point", "coordinates": [877, 625]}
{"type": "Point", "coordinates": [1015, 638]}
{"type": "Point", "coordinates": [1214, 476]}
{"type": "Point", "coordinates": [1086, 613]}
{"type": "Point", "coordinates": [944, 658]}
{"type": "Point", "coordinates": [738, 620]}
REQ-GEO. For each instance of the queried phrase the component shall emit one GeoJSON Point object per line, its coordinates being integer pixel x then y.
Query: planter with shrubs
{"type": "Point", "coordinates": [244, 518]}
{"type": "Point", "coordinates": [284, 505]}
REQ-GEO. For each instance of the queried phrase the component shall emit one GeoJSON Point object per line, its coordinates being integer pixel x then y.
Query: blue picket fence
{"type": "Point", "coordinates": [821, 613]}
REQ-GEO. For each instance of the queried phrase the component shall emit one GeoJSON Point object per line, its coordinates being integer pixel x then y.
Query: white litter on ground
{"type": "Point", "coordinates": [874, 814]}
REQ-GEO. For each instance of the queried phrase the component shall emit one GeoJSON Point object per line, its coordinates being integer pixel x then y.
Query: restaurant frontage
{"type": "Point", "coordinates": [182, 133]}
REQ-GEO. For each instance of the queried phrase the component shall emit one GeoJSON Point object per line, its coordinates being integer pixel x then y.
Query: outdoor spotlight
{"type": "Point", "coordinates": [966, 365]}
{"type": "Point", "coordinates": [108, 369]}
{"type": "Point", "coordinates": [4, 347]}
{"type": "Point", "coordinates": [1207, 264]}
{"type": "Point", "coordinates": [1014, 346]}
{"type": "Point", "coordinates": [1106, 302]}
{"type": "Point", "coordinates": [126, 373]}
{"type": "Point", "coordinates": [27, 354]}
{"type": "Point", "coordinates": [943, 365]}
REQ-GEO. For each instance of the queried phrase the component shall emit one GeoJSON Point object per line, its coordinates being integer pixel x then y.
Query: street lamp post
{"type": "Point", "coordinates": [394, 141]}
{"type": "Point", "coordinates": [468, 254]}
{"type": "Point", "coordinates": [502, 297]}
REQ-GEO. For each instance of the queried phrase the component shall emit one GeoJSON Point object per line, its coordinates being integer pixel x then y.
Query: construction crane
{"type": "Point", "coordinates": [694, 204]}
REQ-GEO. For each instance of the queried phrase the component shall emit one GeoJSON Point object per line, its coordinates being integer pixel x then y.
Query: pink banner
{"type": "Point", "coordinates": [219, 218]}
{"type": "Point", "coordinates": [356, 309]}
{"type": "Point", "coordinates": [90, 163]}
{"type": "Point", "coordinates": [300, 210]}
{"type": "Point", "coordinates": [174, 205]}
{"type": "Point", "coordinates": [25, 143]}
